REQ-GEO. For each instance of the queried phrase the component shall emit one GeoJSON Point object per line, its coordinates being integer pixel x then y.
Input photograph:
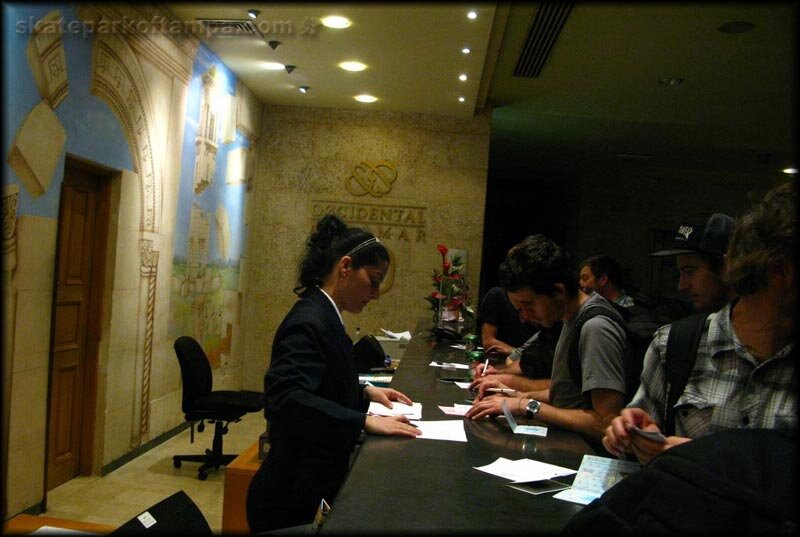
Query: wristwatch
{"type": "Point", "coordinates": [532, 409]}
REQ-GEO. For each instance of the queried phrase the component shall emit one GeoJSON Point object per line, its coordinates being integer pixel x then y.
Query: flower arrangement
{"type": "Point", "coordinates": [450, 299]}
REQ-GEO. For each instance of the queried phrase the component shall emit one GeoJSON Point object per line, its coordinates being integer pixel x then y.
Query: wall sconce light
{"type": "Point", "coordinates": [303, 89]}
{"type": "Point", "coordinates": [273, 44]}
{"type": "Point", "coordinates": [253, 13]}
{"type": "Point", "coordinates": [289, 69]}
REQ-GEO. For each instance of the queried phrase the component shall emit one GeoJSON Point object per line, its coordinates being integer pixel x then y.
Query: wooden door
{"type": "Point", "coordinates": [77, 296]}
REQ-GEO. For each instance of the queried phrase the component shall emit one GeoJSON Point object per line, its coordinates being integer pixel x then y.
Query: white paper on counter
{"type": "Point", "coordinates": [397, 335]}
{"type": "Point", "coordinates": [412, 411]}
{"type": "Point", "coordinates": [442, 430]}
{"type": "Point", "coordinates": [523, 470]}
{"type": "Point", "coordinates": [448, 365]}
{"type": "Point", "coordinates": [456, 409]}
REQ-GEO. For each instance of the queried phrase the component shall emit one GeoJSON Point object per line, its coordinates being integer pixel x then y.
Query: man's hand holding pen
{"type": "Point", "coordinates": [483, 385]}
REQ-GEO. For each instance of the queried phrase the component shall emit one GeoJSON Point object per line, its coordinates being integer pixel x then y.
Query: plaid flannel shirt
{"type": "Point", "coordinates": [727, 388]}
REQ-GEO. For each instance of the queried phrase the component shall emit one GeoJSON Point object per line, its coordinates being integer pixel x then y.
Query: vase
{"type": "Point", "coordinates": [450, 314]}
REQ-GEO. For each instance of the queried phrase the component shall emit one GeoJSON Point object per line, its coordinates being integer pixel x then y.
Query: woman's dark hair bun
{"type": "Point", "coordinates": [329, 227]}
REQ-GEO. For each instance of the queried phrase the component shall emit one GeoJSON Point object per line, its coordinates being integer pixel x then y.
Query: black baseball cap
{"type": "Point", "coordinates": [700, 234]}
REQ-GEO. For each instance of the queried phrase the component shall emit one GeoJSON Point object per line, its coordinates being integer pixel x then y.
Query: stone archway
{"type": "Point", "coordinates": [118, 80]}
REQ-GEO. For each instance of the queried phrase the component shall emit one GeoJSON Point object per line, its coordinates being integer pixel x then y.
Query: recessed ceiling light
{"type": "Point", "coordinates": [253, 13]}
{"type": "Point", "coordinates": [466, 50]}
{"type": "Point", "coordinates": [273, 66]}
{"type": "Point", "coordinates": [353, 66]}
{"type": "Point", "coordinates": [364, 98]}
{"type": "Point", "coordinates": [736, 27]}
{"type": "Point", "coordinates": [670, 81]}
{"type": "Point", "coordinates": [335, 21]}
{"type": "Point", "coordinates": [303, 89]}
{"type": "Point", "coordinates": [462, 77]}
{"type": "Point", "coordinates": [472, 15]}
{"type": "Point", "coordinates": [461, 99]}
{"type": "Point", "coordinates": [790, 171]}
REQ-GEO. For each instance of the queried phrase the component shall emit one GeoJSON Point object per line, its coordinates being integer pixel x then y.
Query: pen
{"type": "Point", "coordinates": [501, 390]}
{"type": "Point", "coordinates": [485, 365]}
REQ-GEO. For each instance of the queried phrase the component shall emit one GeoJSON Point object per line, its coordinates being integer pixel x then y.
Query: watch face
{"type": "Point", "coordinates": [533, 408]}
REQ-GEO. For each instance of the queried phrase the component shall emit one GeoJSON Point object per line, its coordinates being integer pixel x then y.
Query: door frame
{"type": "Point", "coordinates": [104, 177]}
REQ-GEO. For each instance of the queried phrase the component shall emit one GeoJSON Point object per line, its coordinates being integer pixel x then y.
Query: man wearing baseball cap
{"type": "Point", "coordinates": [699, 247]}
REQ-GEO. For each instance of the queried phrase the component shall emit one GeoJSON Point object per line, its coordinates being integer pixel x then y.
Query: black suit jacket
{"type": "Point", "coordinates": [316, 411]}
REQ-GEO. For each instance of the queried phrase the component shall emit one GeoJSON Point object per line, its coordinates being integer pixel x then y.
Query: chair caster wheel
{"type": "Point", "coordinates": [202, 476]}
{"type": "Point", "coordinates": [176, 463]}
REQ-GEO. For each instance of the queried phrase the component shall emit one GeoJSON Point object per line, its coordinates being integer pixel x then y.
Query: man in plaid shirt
{"type": "Point", "coordinates": [744, 373]}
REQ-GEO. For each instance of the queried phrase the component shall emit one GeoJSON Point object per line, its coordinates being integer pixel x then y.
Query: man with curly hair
{"type": "Point", "coordinates": [744, 370]}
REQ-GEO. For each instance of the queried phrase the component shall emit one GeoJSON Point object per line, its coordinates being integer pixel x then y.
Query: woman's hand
{"type": "Point", "coordinates": [390, 426]}
{"type": "Point", "coordinates": [385, 396]}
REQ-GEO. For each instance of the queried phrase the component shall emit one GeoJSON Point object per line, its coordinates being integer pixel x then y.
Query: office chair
{"type": "Point", "coordinates": [201, 403]}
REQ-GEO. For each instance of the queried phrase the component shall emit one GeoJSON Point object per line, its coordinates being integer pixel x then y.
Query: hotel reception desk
{"type": "Point", "coordinates": [399, 485]}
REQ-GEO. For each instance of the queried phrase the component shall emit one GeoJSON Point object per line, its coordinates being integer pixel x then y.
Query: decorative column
{"type": "Point", "coordinates": [10, 199]}
{"type": "Point", "coordinates": [144, 338]}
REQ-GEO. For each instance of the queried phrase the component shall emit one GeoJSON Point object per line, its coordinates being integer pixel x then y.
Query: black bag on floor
{"type": "Point", "coordinates": [742, 480]}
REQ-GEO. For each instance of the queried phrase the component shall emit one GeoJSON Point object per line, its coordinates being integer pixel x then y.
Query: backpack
{"type": "Point", "coordinates": [682, 343]}
{"type": "Point", "coordinates": [740, 480]}
{"type": "Point", "coordinates": [633, 355]}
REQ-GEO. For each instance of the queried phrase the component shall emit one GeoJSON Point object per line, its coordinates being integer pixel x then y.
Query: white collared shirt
{"type": "Point", "coordinates": [335, 307]}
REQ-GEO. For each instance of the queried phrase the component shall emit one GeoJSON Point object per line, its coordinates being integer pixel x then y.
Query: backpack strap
{"type": "Point", "coordinates": [600, 307]}
{"type": "Point", "coordinates": [682, 343]}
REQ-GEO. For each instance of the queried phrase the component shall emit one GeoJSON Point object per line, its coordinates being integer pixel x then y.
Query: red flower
{"type": "Point", "coordinates": [442, 249]}
{"type": "Point", "coordinates": [446, 267]}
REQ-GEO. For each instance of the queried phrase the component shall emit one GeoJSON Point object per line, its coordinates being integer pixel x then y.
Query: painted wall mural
{"type": "Point", "coordinates": [210, 229]}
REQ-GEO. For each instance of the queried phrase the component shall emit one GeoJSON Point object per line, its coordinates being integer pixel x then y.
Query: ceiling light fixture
{"type": "Point", "coordinates": [273, 66]}
{"type": "Point", "coordinates": [304, 89]}
{"type": "Point", "coordinates": [790, 171]}
{"type": "Point", "coordinates": [466, 50]}
{"type": "Point", "coordinates": [353, 66]}
{"type": "Point", "coordinates": [364, 98]}
{"type": "Point", "coordinates": [736, 27]}
{"type": "Point", "coordinates": [462, 77]}
{"type": "Point", "coordinates": [472, 15]}
{"type": "Point", "coordinates": [253, 13]}
{"type": "Point", "coordinates": [670, 81]}
{"type": "Point", "coordinates": [335, 21]}
{"type": "Point", "coordinates": [461, 99]}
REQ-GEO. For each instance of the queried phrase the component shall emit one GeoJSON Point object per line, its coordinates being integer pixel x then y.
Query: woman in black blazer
{"type": "Point", "coordinates": [314, 403]}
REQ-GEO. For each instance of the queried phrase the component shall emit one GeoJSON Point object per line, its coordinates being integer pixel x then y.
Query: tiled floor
{"type": "Point", "coordinates": [134, 487]}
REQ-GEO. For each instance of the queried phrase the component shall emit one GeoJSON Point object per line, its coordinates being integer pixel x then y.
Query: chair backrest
{"type": "Point", "coordinates": [175, 515]}
{"type": "Point", "coordinates": [195, 371]}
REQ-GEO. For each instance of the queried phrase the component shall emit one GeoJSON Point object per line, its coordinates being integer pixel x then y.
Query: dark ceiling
{"type": "Point", "coordinates": [597, 101]}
